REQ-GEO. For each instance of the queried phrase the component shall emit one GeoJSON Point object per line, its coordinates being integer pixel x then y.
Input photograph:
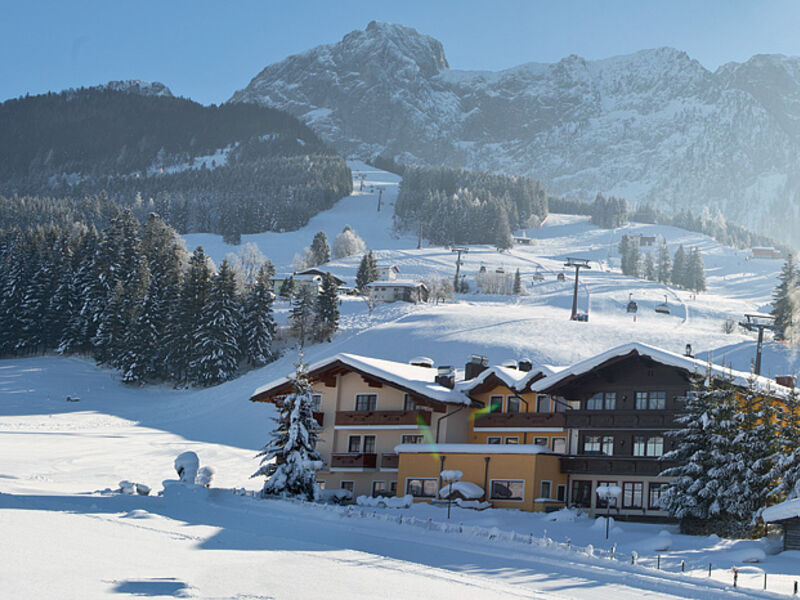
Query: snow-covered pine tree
{"type": "Point", "coordinates": [663, 263]}
{"type": "Point", "coordinates": [301, 314]}
{"type": "Point", "coordinates": [320, 250]}
{"type": "Point", "coordinates": [502, 230]}
{"type": "Point", "coordinates": [784, 299]}
{"type": "Point", "coordinates": [367, 271]}
{"type": "Point", "coordinates": [185, 316]}
{"type": "Point", "coordinates": [326, 318]}
{"type": "Point", "coordinates": [259, 323]}
{"type": "Point", "coordinates": [786, 461]}
{"type": "Point", "coordinates": [649, 267]}
{"type": "Point", "coordinates": [139, 358]}
{"type": "Point", "coordinates": [517, 283]}
{"type": "Point", "coordinates": [696, 465]}
{"type": "Point", "coordinates": [216, 339]}
{"type": "Point", "coordinates": [680, 268]}
{"type": "Point", "coordinates": [81, 324]}
{"type": "Point", "coordinates": [293, 444]}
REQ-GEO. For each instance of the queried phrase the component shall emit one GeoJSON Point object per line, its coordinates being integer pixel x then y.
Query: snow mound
{"type": "Point", "coordinates": [465, 489]}
{"type": "Point", "coordinates": [564, 515]}
{"type": "Point", "coordinates": [747, 555]}
{"type": "Point", "coordinates": [337, 496]}
{"type": "Point", "coordinates": [137, 513]}
{"type": "Point", "coordinates": [386, 502]}
{"type": "Point", "coordinates": [472, 504]}
{"type": "Point", "coordinates": [187, 464]}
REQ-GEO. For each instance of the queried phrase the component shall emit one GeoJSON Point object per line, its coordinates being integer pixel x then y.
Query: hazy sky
{"type": "Point", "coordinates": [207, 50]}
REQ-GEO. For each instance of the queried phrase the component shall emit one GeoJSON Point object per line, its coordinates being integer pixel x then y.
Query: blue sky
{"type": "Point", "coordinates": [207, 50]}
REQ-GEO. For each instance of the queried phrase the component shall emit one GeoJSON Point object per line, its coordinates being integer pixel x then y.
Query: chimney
{"type": "Point", "coordinates": [446, 377]}
{"type": "Point", "coordinates": [421, 361]}
{"type": "Point", "coordinates": [525, 364]}
{"type": "Point", "coordinates": [476, 365]}
{"type": "Point", "coordinates": [786, 380]}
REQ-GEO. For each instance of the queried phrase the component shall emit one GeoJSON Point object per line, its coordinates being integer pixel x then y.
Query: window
{"type": "Point", "coordinates": [347, 485]}
{"type": "Point", "coordinates": [540, 441]}
{"type": "Point", "coordinates": [369, 444]}
{"type": "Point", "coordinates": [512, 439]}
{"type": "Point", "coordinates": [655, 495]}
{"type": "Point", "coordinates": [639, 445]}
{"type": "Point", "coordinates": [507, 489]}
{"type": "Point", "coordinates": [495, 404]}
{"type": "Point", "coordinates": [559, 445]}
{"type": "Point", "coordinates": [655, 446]}
{"type": "Point", "coordinates": [601, 503]}
{"type": "Point", "coordinates": [561, 492]}
{"type": "Point", "coordinates": [421, 488]}
{"type": "Point", "coordinates": [321, 484]}
{"type": "Point", "coordinates": [546, 489]}
{"type": "Point", "coordinates": [408, 403]}
{"type": "Point", "coordinates": [316, 402]}
{"type": "Point", "coordinates": [493, 439]}
{"type": "Point", "coordinates": [632, 494]}
{"type": "Point", "coordinates": [591, 444]}
{"type": "Point", "coordinates": [602, 400]}
{"type": "Point", "coordinates": [366, 401]}
{"type": "Point", "coordinates": [412, 439]}
{"type": "Point", "coordinates": [582, 493]}
{"type": "Point", "coordinates": [354, 443]}
{"type": "Point", "coordinates": [543, 403]}
{"type": "Point", "coordinates": [651, 400]}
{"type": "Point", "coordinates": [393, 488]}
{"type": "Point", "coordinates": [608, 445]}
{"type": "Point", "coordinates": [378, 488]}
{"type": "Point", "coordinates": [513, 404]}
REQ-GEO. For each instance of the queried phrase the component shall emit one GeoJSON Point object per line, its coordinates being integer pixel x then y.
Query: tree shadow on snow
{"type": "Point", "coordinates": [160, 586]}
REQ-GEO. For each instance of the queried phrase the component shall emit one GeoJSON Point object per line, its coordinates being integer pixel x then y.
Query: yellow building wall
{"type": "Point", "coordinates": [530, 468]}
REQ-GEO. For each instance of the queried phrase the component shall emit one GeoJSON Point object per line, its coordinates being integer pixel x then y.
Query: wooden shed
{"type": "Point", "coordinates": [787, 515]}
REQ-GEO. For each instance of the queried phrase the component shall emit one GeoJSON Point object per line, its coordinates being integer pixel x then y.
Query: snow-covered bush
{"type": "Point", "coordinates": [204, 476]}
{"type": "Point", "coordinates": [348, 243]}
{"type": "Point", "coordinates": [130, 488]}
{"type": "Point", "coordinates": [335, 496]}
{"type": "Point", "coordinates": [386, 502]}
{"type": "Point", "coordinates": [462, 489]}
{"type": "Point", "coordinates": [563, 516]}
{"type": "Point", "coordinates": [187, 464]}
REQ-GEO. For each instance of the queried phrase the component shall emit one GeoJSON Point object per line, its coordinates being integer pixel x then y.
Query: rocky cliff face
{"type": "Point", "coordinates": [651, 126]}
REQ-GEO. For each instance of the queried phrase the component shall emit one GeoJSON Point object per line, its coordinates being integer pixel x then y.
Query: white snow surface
{"type": "Point", "coordinates": [784, 510]}
{"type": "Point", "coordinates": [467, 489]}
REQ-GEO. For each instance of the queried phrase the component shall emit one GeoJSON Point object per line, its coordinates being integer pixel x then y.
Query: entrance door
{"type": "Point", "coordinates": [581, 493]}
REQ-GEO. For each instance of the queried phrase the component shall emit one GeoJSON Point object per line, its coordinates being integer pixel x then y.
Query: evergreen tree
{"type": "Point", "coordinates": [259, 323]}
{"type": "Point", "coordinates": [293, 444]}
{"type": "Point", "coordinates": [367, 271]}
{"type": "Point", "coordinates": [216, 339]}
{"type": "Point", "coordinates": [783, 299]}
{"type": "Point", "coordinates": [517, 283]}
{"type": "Point", "coordinates": [649, 268]}
{"type": "Point", "coordinates": [786, 460]}
{"type": "Point", "coordinates": [320, 250]}
{"type": "Point", "coordinates": [326, 319]}
{"type": "Point", "coordinates": [663, 266]}
{"type": "Point", "coordinates": [503, 239]}
{"type": "Point", "coordinates": [186, 316]}
{"type": "Point", "coordinates": [696, 272]}
{"type": "Point", "coordinates": [680, 268]}
{"type": "Point", "coordinates": [301, 315]}
{"type": "Point", "coordinates": [287, 287]}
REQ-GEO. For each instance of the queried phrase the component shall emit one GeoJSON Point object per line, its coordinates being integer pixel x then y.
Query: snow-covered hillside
{"type": "Point", "coordinates": [536, 324]}
{"type": "Point", "coordinates": [654, 125]}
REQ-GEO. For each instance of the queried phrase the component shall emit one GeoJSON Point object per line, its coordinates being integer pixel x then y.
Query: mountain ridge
{"type": "Point", "coordinates": [653, 126]}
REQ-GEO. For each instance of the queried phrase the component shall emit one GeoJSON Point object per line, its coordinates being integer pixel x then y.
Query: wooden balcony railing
{"type": "Point", "coordinates": [612, 465]}
{"type": "Point", "coordinates": [529, 419]}
{"type": "Point", "coordinates": [390, 461]}
{"type": "Point", "coordinates": [412, 418]}
{"type": "Point", "coordinates": [354, 460]}
{"type": "Point", "coordinates": [620, 419]}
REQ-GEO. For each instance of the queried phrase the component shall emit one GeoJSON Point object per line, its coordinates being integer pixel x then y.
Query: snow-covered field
{"type": "Point", "coordinates": [64, 537]}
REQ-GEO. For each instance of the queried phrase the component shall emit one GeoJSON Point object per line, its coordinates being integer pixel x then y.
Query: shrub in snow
{"type": "Point", "coordinates": [348, 243]}
{"type": "Point", "coordinates": [386, 502]}
{"type": "Point", "coordinates": [293, 446]}
{"type": "Point", "coordinates": [127, 487]}
{"type": "Point", "coordinates": [338, 496]}
{"type": "Point", "coordinates": [142, 489]}
{"type": "Point", "coordinates": [204, 476]}
{"type": "Point", "coordinates": [187, 464]}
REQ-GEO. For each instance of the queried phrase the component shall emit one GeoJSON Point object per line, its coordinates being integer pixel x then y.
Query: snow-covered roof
{"type": "Point", "coordinates": [664, 357]}
{"type": "Point", "coordinates": [472, 449]}
{"type": "Point", "coordinates": [396, 283]}
{"type": "Point", "coordinates": [784, 510]}
{"type": "Point", "coordinates": [421, 380]}
{"type": "Point", "coordinates": [513, 378]}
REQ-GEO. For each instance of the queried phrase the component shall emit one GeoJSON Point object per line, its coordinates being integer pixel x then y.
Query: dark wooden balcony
{"type": "Point", "coordinates": [319, 417]}
{"type": "Point", "coordinates": [521, 419]}
{"type": "Point", "coordinates": [354, 418]}
{"type": "Point", "coordinates": [390, 461]}
{"type": "Point", "coordinates": [354, 460]}
{"type": "Point", "coordinates": [612, 465]}
{"type": "Point", "coordinates": [620, 419]}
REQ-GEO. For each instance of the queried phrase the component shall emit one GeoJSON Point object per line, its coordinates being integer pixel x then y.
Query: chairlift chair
{"type": "Point", "coordinates": [632, 306]}
{"type": "Point", "coordinates": [663, 307]}
{"type": "Point", "coordinates": [561, 277]}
